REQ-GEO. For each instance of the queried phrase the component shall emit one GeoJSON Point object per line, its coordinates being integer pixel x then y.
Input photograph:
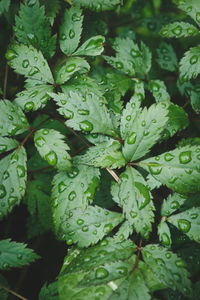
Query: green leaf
{"type": "Point", "coordinates": [129, 58]}
{"type": "Point", "coordinates": [12, 180]}
{"type": "Point", "coordinates": [134, 197]}
{"type": "Point", "coordinates": [172, 203]}
{"type": "Point", "coordinates": [105, 154]}
{"type": "Point", "coordinates": [87, 113]}
{"type": "Point", "coordinates": [167, 267]}
{"type": "Point", "coordinates": [159, 90]}
{"type": "Point", "coordinates": [14, 255]}
{"type": "Point", "coordinates": [194, 95]}
{"type": "Point", "coordinates": [75, 189]}
{"type": "Point", "coordinates": [12, 119]}
{"type": "Point", "coordinates": [191, 7]}
{"type": "Point", "coordinates": [132, 288]}
{"type": "Point", "coordinates": [29, 62]}
{"type": "Point", "coordinates": [124, 232]}
{"type": "Point", "coordinates": [86, 226]}
{"type": "Point", "coordinates": [34, 97]}
{"type": "Point", "coordinates": [92, 47]}
{"type": "Point", "coordinates": [164, 234]}
{"type": "Point", "coordinates": [98, 5]}
{"type": "Point", "coordinates": [167, 59]}
{"type": "Point", "coordinates": [3, 292]}
{"type": "Point", "coordinates": [7, 144]}
{"type": "Point", "coordinates": [178, 30]}
{"type": "Point", "coordinates": [70, 30]}
{"type": "Point", "coordinates": [177, 169]}
{"type": "Point", "coordinates": [4, 6]}
{"type": "Point", "coordinates": [71, 66]}
{"type": "Point", "coordinates": [188, 222]}
{"type": "Point", "coordinates": [132, 110]}
{"type": "Point", "coordinates": [49, 292]}
{"type": "Point", "coordinates": [190, 64]}
{"type": "Point", "coordinates": [146, 129]}
{"type": "Point", "coordinates": [52, 147]}
{"type": "Point", "coordinates": [52, 8]}
{"type": "Point", "coordinates": [177, 120]}
{"type": "Point", "coordinates": [33, 28]}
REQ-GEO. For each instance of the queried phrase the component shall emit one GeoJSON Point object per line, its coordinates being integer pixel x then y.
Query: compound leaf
{"type": "Point", "coordinates": [191, 7]}
{"type": "Point", "coordinates": [167, 267]}
{"type": "Point", "coordinates": [28, 61]}
{"type": "Point", "coordinates": [7, 144]}
{"type": "Point", "coordinates": [52, 7]}
{"type": "Point", "coordinates": [70, 30]}
{"type": "Point", "coordinates": [145, 131]}
{"type": "Point", "coordinates": [134, 197]}
{"type": "Point", "coordinates": [167, 59]}
{"type": "Point", "coordinates": [178, 30]}
{"type": "Point", "coordinates": [13, 254]}
{"type": "Point", "coordinates": [188, 222]}
{"type": "Point", "coordinates": [71, 66]}
{"type": "Point", "coordinates": [34, 97]}
{"type": "Point", "coordinates": [12, 180]}
{"type": "Point", "coordinates": [49, 292]}
{"type": "Point", "coordinates": [98, 5]}
{"type": "Point", "coordinates": [87, 113]}
{"type": "Point", "coordinates": [105, 154]}
{"type": "Point", "coordinates": [52, 147]}
{"type": "Point", "coordinates": [33, 28]}
{"type": "Point", "coordinates": [86, 226]}
{"type": "Point", "coordinates": [12, 119]}
{"type": "Point", "coordinates": [92, 47]}
{"type": "Point", "coordinates": [172, 203]}
{"type": "Point", "coordinates": [177, 169]}
{"type": "Point", "coordinates": [159, 90]}
{"type": "Point", "coordinates": [164, 234]}
{"type": "Point", "coordinates": [190, 64]}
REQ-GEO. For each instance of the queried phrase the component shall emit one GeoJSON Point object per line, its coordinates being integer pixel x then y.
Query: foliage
{"type": "Point", "coordinates": [99, 142]}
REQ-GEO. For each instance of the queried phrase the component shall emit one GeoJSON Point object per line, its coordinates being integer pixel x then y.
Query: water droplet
{"type": "Point", "coordinates": [157, 157]}
{"type": "Point", "coordinates": [100, 291]}
{"type": "Point", "coordinates": [33, 94]}
{"type": "Point", "coordinates": [2, 191]}
{"type": "Point", "coordinates": [193, 216]}
{"type": "Point", "coordinates": [198, 17]}
{"type": "Point", "coordinates": [143, 123]}
{"type": "Point", "coordinates": [135, 53]}
{"type": "Point", "coordinates": [160, 261]}
{"type": "Point", "coordinates": [76, 17]}
{"type": "Point", "coordinates": [146, 132]}
{"type": "Point", "coordinates": [72, 195]}
{"type": "Point", "coordinates": [70, 68]}
{"type": "Point", "coordinates": [168, 156]}
{"type": "Point", "coordinates": [173, 179]}
{"type": "Point", "coordinates": [3, 148]}
{"type": "Point", "coordinates": [184, 225]}
{"type": "Point", "coordinates": [191, 31]}
{"type": "Point", "coordinates": [128, 118]}
{"type": "Point", "coordinates": [51, 158]}
{"type": "Point", "coordinates": [69, 241]}
{"type": "Point", "coordinates": [40, 141]}
{"type": "Point", "coordinates": [185, 157]}
{"type": "Point", "coordinates": [85, 228]}
{"type": "Point", "coordinates": [165, 239]}
{"type": "Point", "coordinates": [107, 228]}
{"type": "Point", "coordinates": [33, 71]}
{"type": "Point", "coordinates": [193, 59]}
{"type": "Point", "coordinates": [174, 205]}
{"type": "Point", "coordinates": [28, 106]}
{"type": "Point", "coordinates": [73, 173]}
{"type": "Point", "coordinates": [180, 263]}
{"type": "Point", "coordinates": [168, 255]}
{"type": "Point", "coordinates": [132, 138]}
{"type": "Point", "coordinates": [10, 54]}
{"type": "Point", "coordinates": [21, 171]}
{"type": "Point", "coordinates": [63, 37]}
{"type": "Point", "coordinates": [133, 214]}
{"type": "Point", "coordinates": [25, 63]}
{"type": "Point", "coordinates": [68, 114]}
{"type": "Point", "coordinates": [177, 30]}
{"type": "Point", "coordinates": [71, 34]}
{"type": "Point", "coordinates": [166, 58]}
{"type": "Point", "coordinates": [155, 169]}
{"type": "Point", "coordinates": [31, 2]}
{"type": "Point", "coordinates": [101, 273]}
{"type": "Point", "coordinates": [62, 187]}
{"type": "Point", "coordinates": [86, 126]}
{"type": "Point", "coordinates": [45, 131]}
{"type": "Point", "coordinates": [12, 200]}
{"type": "Point", "coordinates": [83, 112]}
{"type": "Point", "coordinates": [154, 87]}
{"type": "Point", "coordinates": [97, 225]}
{"type": "Point", "coordinates": [6, 175]}
{"type": "Point", "coordinates": [119, 65]}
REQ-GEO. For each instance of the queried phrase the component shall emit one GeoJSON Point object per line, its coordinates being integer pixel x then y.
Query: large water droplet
{"type": "Point", "coordinates": [184, 225]}
{"type": "Point", "coordinates": [69, 242]}
{"type": "Point", "coordinates": [168, 156]}
{"type": "Point", "coordinates": [100, 292]}
{"type": "Point", "coordinates": [80, 222]}
{"type": "Point", "coordinates": [101, 273]}
{"type": "Point", "coordinates": [85, 228]}
{"type": "Point", "coordinates": [6, 175]}
{"type": "Point", "coordinates": [174, 205]}
{"type": "Point", "coordinates": [122, 271]}
{"type": "Point", "coordinates": [68, 114]}
{"type": "Point", "coordinates": [119, 65]}
{"type": "Point", "coordinates": [180, 263]}
{"type": "Point", "coordinates": [107, 228]}
{"type": "Point", "coordinates": [21, 171]}
{"type": "Point", "coordinates": [160, 261]}
{"type": "Point", "coordinates": [135, 53]}
{"type": "Point", "coordinates": [177, 30]}
{"type": "Point", "coordinates": [10, 54]}
{"type": "Point", "coordinates": [86, 126]}
{"type": "Point", "coordinates": [2, 191]}
{"type": "Point", "coordinates": [51, 158]}
{"type": "Point", "coordinates": [165, 239]}
{"type": "Point", "coordinates": [25, 63]}
{"type": "Point", "coordinates": [185, 157]}
{"type": "Point", "coordinates": [73, 173]}
{"type": "Point", "coordinates": [40, 141]}
{"type": "Point", "coordinates": [76, 17]}
{"type": "Point", "coordinates": [168, 255]}
{"type": "Point", "coordinates": [71, 34]}
{"type": "Point", "coordinates": [193, 216]}
{"type": "Point", "coordinates": [28, 106]}
{"type": "Point", "coordinates": [154, 87]}
{"type": "Point", "coordinates": [62, 187]}
{"type": "Point", "coordinates": [133, 214]}
{"type": "Point", "coordinates": [12, 200]}
{"type": "Point", "coordinates": [83, 112]}
{"type": "Point", "coordinates": [72, 195]}
{"type": "Point", "coordinates": [33, 71]}
{"type": "Point", "coordinates": [193, 59]}
{"type": "Point", "coordinates": [132, 138]}
{"type": "Point", "coordinates": [70, 68]}
{"type": "Point", "coordinates": [155, 169]}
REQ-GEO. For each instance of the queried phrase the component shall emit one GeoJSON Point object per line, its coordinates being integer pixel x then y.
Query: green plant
{"type": "Point", "coordinates": [111, 133]}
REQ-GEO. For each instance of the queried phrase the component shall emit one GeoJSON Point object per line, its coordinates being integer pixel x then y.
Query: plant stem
{"type": "Point", "coordinates": [5, 82]}
{"type": "Point", "coordinates": [138, 256]}
{"type": "Point", "coordinates": [12, 292]}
